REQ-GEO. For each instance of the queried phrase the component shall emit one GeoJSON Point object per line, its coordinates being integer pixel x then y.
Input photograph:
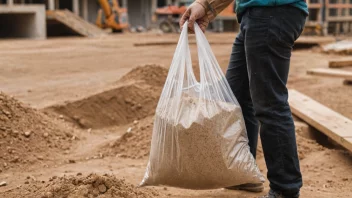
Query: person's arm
{"type": "Point", "coordinates": [214, 7]}
{"type": "Point", "coordinates": [202, 12]}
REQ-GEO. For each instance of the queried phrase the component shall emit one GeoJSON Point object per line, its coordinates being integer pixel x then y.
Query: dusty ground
{"type": "Point", "coordinates": [70, 81]}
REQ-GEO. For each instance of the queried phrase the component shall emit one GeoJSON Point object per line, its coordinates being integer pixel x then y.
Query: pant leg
{"type": "Point", "coordinates": [237, 76]}
{"type": "Point", "coordinates": [269, 36]}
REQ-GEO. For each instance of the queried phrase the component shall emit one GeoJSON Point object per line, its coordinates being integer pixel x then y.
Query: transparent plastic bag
{"type": "Point", "coordinates": [199, 137]}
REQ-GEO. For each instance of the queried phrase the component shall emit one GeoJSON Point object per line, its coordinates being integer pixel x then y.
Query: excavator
{"type": "Point", "coordinates": [111, 15]}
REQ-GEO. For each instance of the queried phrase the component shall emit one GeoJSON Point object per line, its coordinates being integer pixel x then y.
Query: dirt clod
{"type": "Point", "coordinates": [3, 183]}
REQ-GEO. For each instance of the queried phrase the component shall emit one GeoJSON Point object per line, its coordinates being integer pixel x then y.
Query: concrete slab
{"type": "Point", "coordinates": [23, 21]}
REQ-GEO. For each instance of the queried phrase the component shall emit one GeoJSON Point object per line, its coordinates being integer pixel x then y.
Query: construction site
{"type": "Point", "coordinates": [80, 81]}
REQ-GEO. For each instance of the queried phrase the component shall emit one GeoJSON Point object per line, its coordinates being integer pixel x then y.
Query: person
{"type": "Point", "coordinates": [257, 74]}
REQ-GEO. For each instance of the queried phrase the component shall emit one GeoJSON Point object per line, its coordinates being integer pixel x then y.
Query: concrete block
{"type": "Point", "coordinates": [23, 21]}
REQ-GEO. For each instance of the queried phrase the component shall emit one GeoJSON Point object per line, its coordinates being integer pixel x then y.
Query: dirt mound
{"type": "Point", "coordinates": [135, 143]}
{"type": "Point", "coordinates": [152, 74]}
{"type": "Point", "coordinates": [135, 97]}
{"type": "Point", "coordinates": [26, 135]}
{"type": "Point", "coordinates": [93, 185]}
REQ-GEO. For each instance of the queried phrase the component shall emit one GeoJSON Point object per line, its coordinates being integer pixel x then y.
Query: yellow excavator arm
{"type": "Point", "coordinates": [111, 15]}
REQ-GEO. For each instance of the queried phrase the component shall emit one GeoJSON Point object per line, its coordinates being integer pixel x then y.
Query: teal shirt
{"type": "Point", "coordinates": [242, 5]}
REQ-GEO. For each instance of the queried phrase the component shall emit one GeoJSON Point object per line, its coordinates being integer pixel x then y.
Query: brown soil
{"type": "Point", "coordinates": [93, 185]}
{"type": "Point", "coordinates": [154, 75]}
{"type": "Point", "coordinates": [135, 98]}
{"type": "Point", "coordinates": [29, 136]}
{"type": "Point", "coordinates": [134, 144]}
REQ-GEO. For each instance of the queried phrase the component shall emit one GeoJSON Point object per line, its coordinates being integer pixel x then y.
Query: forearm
{"type": "Point", "coordinates": [214, 7]}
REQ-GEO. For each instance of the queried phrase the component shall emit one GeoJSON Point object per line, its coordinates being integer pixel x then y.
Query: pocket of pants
{"type": "Point", "coordinates": [291, 27]}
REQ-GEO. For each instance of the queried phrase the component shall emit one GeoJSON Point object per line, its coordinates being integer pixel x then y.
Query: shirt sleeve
{"type": "Point", "coordinates": [214, 7]}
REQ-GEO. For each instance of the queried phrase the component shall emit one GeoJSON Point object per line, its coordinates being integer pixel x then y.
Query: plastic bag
{"type": "Point", "coordinates": [199, 137]}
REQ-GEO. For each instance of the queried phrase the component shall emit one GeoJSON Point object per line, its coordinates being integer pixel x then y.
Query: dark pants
{"type": "Point", "coordinates": [257, 73]}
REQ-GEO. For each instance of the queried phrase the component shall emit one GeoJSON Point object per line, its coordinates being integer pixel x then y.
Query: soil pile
{"type": "Point", "coordinates": [134, 143]}
{"type": "Point", "coordinates": [135, 97]}
{"type": "Point", "coordinates": [93, 185]}
{"type": "Point", "coordinates": [151, 74]}
{"type": "Point", "coordinates": [26, 135]}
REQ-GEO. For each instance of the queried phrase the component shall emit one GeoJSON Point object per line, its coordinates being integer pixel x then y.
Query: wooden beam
{"type": "Point", "coordinates": [335, 73]}
{"type": "Point", "coordinates": [327, 121]}
{"type": "Point", "coordinates": [340, 63]}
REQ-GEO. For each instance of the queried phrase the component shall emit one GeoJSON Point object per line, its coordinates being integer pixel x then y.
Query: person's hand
{"type": "Point", "coordinates": [195, 13]}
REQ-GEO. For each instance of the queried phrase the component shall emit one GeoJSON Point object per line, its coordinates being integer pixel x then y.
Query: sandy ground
{"type": "Point", "coordinates": [74, 72]}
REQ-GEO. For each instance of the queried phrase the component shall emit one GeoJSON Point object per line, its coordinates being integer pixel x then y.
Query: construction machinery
{"type": "Point", "coordinates": [111, 15]}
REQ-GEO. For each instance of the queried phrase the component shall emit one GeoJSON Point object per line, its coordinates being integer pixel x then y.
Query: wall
{"type": "Point", "coordinates": [139, 13]}
{"type": "Point", "coordinates": [23, 21]}
{"type": "Point", "coordinates": [93, 8]}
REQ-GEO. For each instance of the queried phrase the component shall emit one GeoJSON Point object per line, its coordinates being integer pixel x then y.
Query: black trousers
{"type": "Point", "coordinates": [257, 73]}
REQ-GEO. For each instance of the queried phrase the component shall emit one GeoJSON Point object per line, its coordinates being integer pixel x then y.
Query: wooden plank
{"type": "Point", "coordinates": [336, 73]}
{"type": "Point", "coordinates": [340, 63]}
{"type": "Point", "coordinates": [315, 40]}
{"type": "Point", "coordinates": [327, 121]}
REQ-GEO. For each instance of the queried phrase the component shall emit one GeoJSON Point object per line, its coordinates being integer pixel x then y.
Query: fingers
{"type": "Point", "coordinates": [191, 21]}
{"type": "Point", "coordinates": [203, 28]}
{"type": "Point", "coordinates": [184, 18]}
{"type": "Point", "coordinates": [203, 24]}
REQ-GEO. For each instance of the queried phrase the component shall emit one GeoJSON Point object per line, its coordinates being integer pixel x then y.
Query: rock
{"type": "Point", "coordinates": [27, 134]}
{"type": "Point", "coordinates": [26, 182]}
{"type": "Point", "coordinates": [5, 164]}
{"type": "Point", "coordinates": [135, 122]}
{"type": "Point", "coordinates": [48, 195]}
{"type": "Point", "coordinates": [40, 157]}
{"type": "Point", "coordinates": [79, 174]}
{"type": "Point", "coordinates": [3, 183]}
{"type": "Point", "coordinates": [89, 130]}
{"type": "Point", "coordinates": [61, 116]}
{"type": "Point", "coordinates": [46, 134]}
{"type": "Point", "coordinates": [129, 130]}
{"type": "Point", "coordinates": [165, 188]}
{"type": "Point", "coordinates": [102, 188]}
{"type": "Point", "coordinates": [71, 161]}
{"type": "Point", "coordinates": [95, 192]}
{"type": "Point", "coordinates": [15, 159]}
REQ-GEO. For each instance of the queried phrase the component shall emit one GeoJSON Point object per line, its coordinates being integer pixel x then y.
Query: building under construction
{"type": "Point", "coordinates": [41, 18]}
